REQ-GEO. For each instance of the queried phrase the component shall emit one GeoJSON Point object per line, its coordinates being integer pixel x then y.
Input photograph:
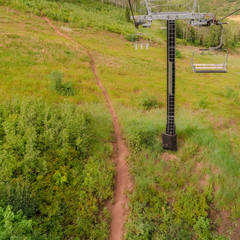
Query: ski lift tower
{"type": "Point", "coordinates": [171, 11]}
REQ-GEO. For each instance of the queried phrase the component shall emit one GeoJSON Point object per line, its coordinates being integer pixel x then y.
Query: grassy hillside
{"type": "Point", "coordinates": [192, 194]}
{"type": "Point", "coordinates": [53, 152]}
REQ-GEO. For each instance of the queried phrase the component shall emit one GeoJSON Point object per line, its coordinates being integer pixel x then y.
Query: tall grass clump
{"type": "Point", "coordinates": [203, 103]}
{"type": "Point", "coordinates": [60, 87]}
{"type": "Point", "coordinates": [141, 135]}
{"type": "Point", "coordinates": [149, 102]}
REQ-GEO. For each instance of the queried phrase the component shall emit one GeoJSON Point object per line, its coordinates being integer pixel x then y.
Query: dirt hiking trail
{"type": "Point", "coordinates": [123, 181]}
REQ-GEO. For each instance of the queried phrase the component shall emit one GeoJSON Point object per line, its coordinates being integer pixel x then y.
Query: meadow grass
{"type": "Point", "coordinates": [32, 51]}
{"type": "Point", "coordinates": [51, 182]}
{"type": "Point", "coordinates": [207, 121]}
{"type": "Point", "coordinates": [207, 163]}
{"type": "Point", "coordinates": [204, 162]}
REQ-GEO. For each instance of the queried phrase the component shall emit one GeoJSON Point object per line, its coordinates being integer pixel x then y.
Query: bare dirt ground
{"type": "Point", "coordinates": [123, 181]}
{"type": "Point", "coordinates": [235, 18]}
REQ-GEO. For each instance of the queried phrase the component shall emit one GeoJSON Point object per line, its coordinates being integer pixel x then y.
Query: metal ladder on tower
{"type": "Point", "coordinates": [170, 138]}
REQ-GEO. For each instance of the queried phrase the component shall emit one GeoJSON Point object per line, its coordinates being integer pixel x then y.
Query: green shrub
{"type": "Point", "coordinates": [148, 102]}
{"type": "Point", "coordinates": [202, 228]}
{"type": "Point", "coordinates": [127, 14]}
{"type": "Point", "coordinates": [181, 42]}
{"type": "Point", "coordinates": [190, 206]}
{"type": "Point", "coordinates": [14, 226]}
{"type": "Point", "coordinates": [203, 103]}
{"type": "Point", "coordinates": [141, 134]}
{"type": "Point", "coordinates": [54, 167]}
{"type": "Point", "coordinates": [60, 87]}
{"type": "Point", "coordinates": [179, 54]}
{"type": "Point", "coordinates": [231, 93]}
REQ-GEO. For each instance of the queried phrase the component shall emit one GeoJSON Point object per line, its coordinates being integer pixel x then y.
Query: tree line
{"type": "Point", "coordinates": [123, 3]}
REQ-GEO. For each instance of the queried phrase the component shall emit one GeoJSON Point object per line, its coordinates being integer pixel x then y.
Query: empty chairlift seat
{"type": "Point", "coordinates": [210, 61]}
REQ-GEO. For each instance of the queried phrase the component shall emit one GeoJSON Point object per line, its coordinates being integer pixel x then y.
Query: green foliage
{"type": "Point", "coordinates": [152, 219]}
{"type": "Point", "coordinates": [52, 198]}
{"type": "Point", "coordinates": [179, 54]}
{"type": "Point", "coordinates": [184, 207]}
{"type": "Point", "coordinates": [203, 103]}
{"type": "Point", "coordinates": [208, 37]}
{"type": "Point", "coordinates": [202, 228]}
{"type": "Point", "coordinates": [141, 135]}
{"type": "Point", "coordinates": [190, 206]}
{"type": "Point", "coordinates": [60, 87]}
{"type": "Point", "coordinates": [54, 167]}
{"type": "Point", "coordinates": [209, 194]}
{"type": "Point", "coordinates": [149, 102]}
{"type": "Point", "coordinates": [127, 14]}
{"type": "Point", "coordinates": [81, 14]}
{"type": "Point", "coordinates": [14, 226]}
{"type": "Point", "coordinates": [222, 8]}
{"type": "Point", "coordinates": [229, 93]}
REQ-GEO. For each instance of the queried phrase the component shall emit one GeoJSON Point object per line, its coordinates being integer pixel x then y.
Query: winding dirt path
{"type": "Point", "coordinates": [123, 181]}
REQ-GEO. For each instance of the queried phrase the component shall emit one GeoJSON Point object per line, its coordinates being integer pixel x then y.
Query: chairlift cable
{"type": "Point", "coordinates": [130, 5]}
{"type": "Point", "coordinates": [229, 15]}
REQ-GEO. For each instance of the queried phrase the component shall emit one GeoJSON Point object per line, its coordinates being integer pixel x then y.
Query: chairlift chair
{"type": "Point", "coordinates": [215, 66]}
{"type": "Point", "coordinates": [141, 41]}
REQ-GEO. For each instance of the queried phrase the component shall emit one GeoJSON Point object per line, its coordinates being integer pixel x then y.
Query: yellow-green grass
{"type": "Point", "coordinates": [30, 51]}
{"type": "Point", "coordinates": [207, 105]}
{"type": "Point", "coordinates": [125, 72]}
{"type": "Point", "coordinates": [128, 73]}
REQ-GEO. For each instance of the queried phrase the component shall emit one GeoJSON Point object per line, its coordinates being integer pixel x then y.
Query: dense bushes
{"type": "Point", "coordinates": [54, 167]}
{"type": "Point", "coordinates": [141, 135]}
{"type": "Point", "coordinates": [14, 226]}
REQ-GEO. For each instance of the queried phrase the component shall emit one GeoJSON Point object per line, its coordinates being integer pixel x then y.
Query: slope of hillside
{"type": "Point", "coordinates": [53, 153]}
{"type": "Point", "coordinates": [192, 194]}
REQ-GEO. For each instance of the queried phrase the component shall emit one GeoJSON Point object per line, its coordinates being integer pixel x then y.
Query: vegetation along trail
{"type": "Point", "coordinates": [123, 181]}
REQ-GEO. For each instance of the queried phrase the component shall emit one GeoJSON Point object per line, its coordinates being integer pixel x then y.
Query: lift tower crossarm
{"type": "Point", "coordinates": [194, 6]}
{"type": "Point", "coordinates": [172, 16]}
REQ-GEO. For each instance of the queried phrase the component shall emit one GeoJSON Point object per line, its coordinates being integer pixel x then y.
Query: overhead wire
{"type": "Point", "coordinates": [131, 9]}
{"type": "Point", "coordinates": [229, 15]}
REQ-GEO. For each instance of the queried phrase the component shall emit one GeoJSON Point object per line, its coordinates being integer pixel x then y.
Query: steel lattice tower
{"type": "Point", "coordinates": [170, 137]}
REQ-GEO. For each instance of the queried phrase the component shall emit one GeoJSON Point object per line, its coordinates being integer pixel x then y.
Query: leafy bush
{"type": "Point", "coordinates": [14, 226]}
{"type": "Point", "coordinates": [149, 102]}
{"type": "Point", "coordinates": [57, 85]}
{"type": "Point", "coordinates": [178, 54]}
{"type": "Point", "coordinates": [141, 134]}
{"type": "Point", "coordinates": [152, 219]}
{"type": "Point", "coordinates": [128, 14]}
{"type": "Point", "coordinates": [202, 228]}
{"type": "Point", "coordinates": [54, 168]}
